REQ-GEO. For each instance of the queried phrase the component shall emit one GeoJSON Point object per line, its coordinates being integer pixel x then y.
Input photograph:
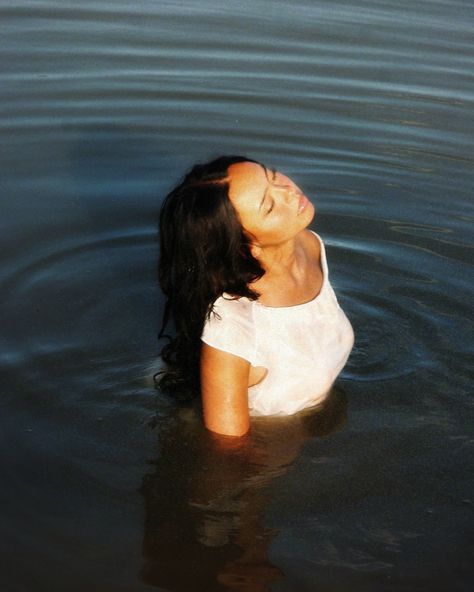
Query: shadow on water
{"type": "Point", "coordinates": [206, 498]}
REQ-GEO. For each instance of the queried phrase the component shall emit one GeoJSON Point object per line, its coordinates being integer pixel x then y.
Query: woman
{"type": "Point", "coordinates": [258, 327]}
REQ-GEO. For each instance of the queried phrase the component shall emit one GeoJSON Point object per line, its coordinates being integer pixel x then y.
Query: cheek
{"type": "Point", "coordinates": [281, 224]}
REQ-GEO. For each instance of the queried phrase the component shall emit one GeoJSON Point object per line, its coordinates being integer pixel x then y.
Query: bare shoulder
{"type": "Point", "coordinates": [312, 244]}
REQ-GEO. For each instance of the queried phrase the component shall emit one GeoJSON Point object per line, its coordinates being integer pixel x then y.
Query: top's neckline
{"type": "Point", "coordinates": [324, 270]}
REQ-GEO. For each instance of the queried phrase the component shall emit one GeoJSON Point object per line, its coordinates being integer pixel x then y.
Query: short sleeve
{"type": "Point", "coordinates": [230, 328]}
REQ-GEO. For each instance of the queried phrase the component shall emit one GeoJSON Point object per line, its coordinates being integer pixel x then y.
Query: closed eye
{"type": "Point", "coordinates": [271, 207]}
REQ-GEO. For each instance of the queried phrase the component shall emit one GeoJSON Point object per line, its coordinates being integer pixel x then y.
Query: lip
{"type": "Point", "coordinates": [302, 204]}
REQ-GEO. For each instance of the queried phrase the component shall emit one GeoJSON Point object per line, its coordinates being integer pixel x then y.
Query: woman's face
{"type": "Point", "coordinates": [271, 208]}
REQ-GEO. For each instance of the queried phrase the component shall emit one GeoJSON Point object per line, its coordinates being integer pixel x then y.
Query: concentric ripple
{"type": "Point", "coordinates": [403, 306]}
{"type": "Point", "coordinates": [93, 294]}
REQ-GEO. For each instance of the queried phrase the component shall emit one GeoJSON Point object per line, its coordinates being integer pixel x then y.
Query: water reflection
{"type": "Point", "coordinates": [206, 498]}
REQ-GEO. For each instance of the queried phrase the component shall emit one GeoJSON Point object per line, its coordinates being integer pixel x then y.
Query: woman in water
{"type": "Point", "coordinates": [258, 327]}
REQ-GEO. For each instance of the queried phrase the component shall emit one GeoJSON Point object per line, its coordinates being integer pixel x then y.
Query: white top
{"type": "Point", "coordinates": [303, 347]}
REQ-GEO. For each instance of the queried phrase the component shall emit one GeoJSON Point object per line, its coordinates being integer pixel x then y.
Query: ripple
{"type": "Point", "coordinates": [91, 290]}
{"type": "Point", "coordinates": [389, 342]}
{"type": "Point", "coordinates": [403, 309]}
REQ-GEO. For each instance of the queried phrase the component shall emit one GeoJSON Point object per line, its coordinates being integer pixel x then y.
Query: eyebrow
{"type": "Point", "coordinates": [273, 171]}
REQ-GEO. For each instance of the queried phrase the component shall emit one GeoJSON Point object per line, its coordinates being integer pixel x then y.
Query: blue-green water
{"type": "Point", "coordinates": [369, 107]}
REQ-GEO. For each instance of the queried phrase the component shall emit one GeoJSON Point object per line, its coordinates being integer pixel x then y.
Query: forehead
{"type": "Point", "coordinates": [247, 183]}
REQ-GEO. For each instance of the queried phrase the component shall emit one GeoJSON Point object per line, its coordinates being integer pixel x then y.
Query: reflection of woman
{"type": "Point", "coordinates": [259, 329]}
{"type": "Point", "coordinates": [206, 498]}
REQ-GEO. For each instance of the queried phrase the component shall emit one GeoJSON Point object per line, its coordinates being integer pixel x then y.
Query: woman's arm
{"type": "Point", "coordinates": [224, 391]}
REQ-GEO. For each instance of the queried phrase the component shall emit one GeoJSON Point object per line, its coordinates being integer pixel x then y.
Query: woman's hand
{"type": "Point", "coordinates": [224, 391]}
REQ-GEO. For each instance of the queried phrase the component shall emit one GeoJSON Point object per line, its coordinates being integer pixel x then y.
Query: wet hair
{"type": "Point", "coordinates": [204, 252]}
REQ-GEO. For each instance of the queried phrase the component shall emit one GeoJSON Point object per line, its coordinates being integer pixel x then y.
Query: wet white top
{"type": "Point", "coordinates": [303, 347]}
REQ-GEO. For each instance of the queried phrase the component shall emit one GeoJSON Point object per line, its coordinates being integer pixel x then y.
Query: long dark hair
{"type": "Point", "coordinates": [204, 252]}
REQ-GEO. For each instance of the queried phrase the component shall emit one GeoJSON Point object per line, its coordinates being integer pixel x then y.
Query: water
{"type": "Point", "coordinates": [369, 107]}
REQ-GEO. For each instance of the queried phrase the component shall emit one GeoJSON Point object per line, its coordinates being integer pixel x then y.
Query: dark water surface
{"type": "Point", "coordinates": [369, 106]}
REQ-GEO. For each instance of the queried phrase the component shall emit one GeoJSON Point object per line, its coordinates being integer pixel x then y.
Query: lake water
{"type": "Point", "coordinates": [105, 485]}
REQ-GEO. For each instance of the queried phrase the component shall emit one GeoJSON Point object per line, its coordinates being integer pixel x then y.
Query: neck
{"type": "Point", "coordinates": [285, 259]}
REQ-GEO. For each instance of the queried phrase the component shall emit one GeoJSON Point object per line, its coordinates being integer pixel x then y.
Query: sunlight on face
{"type": "Point", "coordinates": [271, 208]}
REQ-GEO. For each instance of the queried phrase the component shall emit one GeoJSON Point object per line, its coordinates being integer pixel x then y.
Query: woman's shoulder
{"type": "Point", "coordinates": [230, 327]}
{"type": "Point", "coordinates": [232, 306]}
{"type": "Point", "coordinates": [313, 244]}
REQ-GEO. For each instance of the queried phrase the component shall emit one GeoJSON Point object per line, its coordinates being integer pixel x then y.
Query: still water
{"type": "Point", "coordinates": [106, 486]}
